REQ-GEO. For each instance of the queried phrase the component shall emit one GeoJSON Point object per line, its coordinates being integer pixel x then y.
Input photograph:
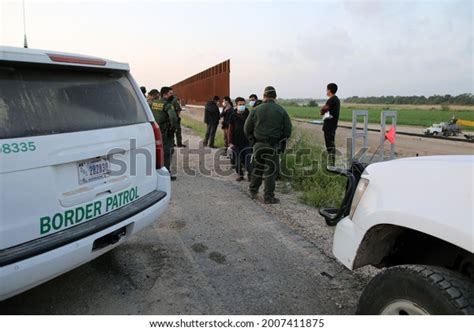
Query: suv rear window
{"type": "Point", "coordinates": [51, 100]}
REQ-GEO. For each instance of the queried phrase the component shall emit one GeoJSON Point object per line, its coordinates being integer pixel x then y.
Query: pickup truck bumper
{"type": "Point", "coordinates": [347, 239]}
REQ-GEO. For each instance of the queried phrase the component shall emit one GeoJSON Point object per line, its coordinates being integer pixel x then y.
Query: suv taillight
{"type": "Point", "coordinates": [158, 145]}
{"type": "Point", "coordinates": [76, 59]}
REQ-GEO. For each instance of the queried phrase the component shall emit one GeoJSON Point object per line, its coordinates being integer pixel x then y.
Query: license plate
{"type": "Point", "coordinates": [91, 170]}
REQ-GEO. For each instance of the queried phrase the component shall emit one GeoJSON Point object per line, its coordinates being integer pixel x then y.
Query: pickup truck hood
{"type": "Point", "coordinates": [431, 194]}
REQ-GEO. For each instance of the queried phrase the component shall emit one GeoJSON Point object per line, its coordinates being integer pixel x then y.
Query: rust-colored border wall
{"type": "Point", "coordinates": [200, 88]}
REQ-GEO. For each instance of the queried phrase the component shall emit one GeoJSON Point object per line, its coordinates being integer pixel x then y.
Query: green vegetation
{"type": "Point", "coordinates": [406, 116]}
{"type": "Point", "coordinates": [305, 102]}
{"type": "Point", "coordinates": [462, 99]}
{"type": "Point", "coordinates": [200, 128]}
{"type": "Point", "coordinates": [304, 167]}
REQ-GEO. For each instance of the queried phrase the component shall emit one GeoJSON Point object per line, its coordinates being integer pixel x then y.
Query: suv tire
{"type": "Point", "coordinates": [417, 289]}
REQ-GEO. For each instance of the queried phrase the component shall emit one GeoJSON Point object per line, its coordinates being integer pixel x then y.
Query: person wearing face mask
{"type": "Point", "coordinates": [240, 145]}
{"type": "Point", "coordinates": [165, 116]}
{"type": "Point", "coordinates": [254, 101]}
{"type": "Point", "coordinates": [228, 109]}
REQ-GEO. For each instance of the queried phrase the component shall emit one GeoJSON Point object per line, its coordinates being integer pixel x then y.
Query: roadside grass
{"type": "Point", "coordinates": [304, 167]}
{"type": "Point", "coordinates": [200, 129]}
{"type": "Point", "coordinates": [422, 117]}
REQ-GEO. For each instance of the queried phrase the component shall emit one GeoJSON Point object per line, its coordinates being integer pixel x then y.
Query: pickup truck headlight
{"type": "Point", "coordinates": [359, 192]}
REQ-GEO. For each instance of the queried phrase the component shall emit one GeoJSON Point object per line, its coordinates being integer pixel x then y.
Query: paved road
{"type": "Point", "coordinates": [214, 252]}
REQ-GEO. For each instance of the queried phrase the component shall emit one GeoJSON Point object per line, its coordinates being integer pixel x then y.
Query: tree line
{"type": "Point", "coordinates": [461, 99]}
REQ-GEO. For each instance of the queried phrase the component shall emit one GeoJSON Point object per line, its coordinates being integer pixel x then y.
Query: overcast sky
{"type": "Point", "coordinates": [367, 48]}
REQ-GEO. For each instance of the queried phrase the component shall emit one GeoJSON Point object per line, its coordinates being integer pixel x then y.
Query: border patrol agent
{"type": "Point", "coordinates": [178, 110]}
{"type": "Point", "coordinates": [143, 89]}
{"type": "Point", "coordinates": [154, 94]}
{"type": "Point", "coordinates": [165, 116]}
{"type": "Point", "coordinates": [267, 125]}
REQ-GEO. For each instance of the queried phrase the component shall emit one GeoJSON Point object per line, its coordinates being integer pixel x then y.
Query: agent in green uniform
{"type": "Point", "coordinates": [178, 109]}
{"type": "Point", "coordinates": [154, 94]}
{"type": "Point", "coordinates": [165, 116]}
{"type": "Point", "coordinates": [267, 125]}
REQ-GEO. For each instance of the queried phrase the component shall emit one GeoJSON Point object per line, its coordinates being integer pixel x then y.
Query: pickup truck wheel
{"type": "Point", "coordinates": [417, 290]}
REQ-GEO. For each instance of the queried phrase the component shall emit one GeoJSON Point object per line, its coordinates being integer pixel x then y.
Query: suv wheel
{"type": "Point", "coordinates": [417, 290]}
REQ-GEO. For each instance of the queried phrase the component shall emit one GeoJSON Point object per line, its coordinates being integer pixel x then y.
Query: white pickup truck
{"type": "Point", "coordinates": [395, 217]}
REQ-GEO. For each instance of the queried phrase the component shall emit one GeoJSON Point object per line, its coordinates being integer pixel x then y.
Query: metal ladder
{"type": "Point", "coordinates": [363, 134]}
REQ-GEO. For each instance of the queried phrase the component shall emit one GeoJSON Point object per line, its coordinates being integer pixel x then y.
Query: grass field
{"type": "Point", "coordinates": [422, 116]}
{"type": "Point", "coordinates": [200, 128]}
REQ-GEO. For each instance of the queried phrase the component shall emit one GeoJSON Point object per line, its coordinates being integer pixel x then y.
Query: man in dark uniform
{"type": "Point", "coordinates": [178, 109]}
{"type": "Point", "coordinates": [152, 95]}
{"type": "Point", "coordinates": [331, 117]}
{"type": "Point", "coordinates": [165, 116]}
{"type": "Point", "coordinates": [268, 124]}
{"type": "Point", "coordinates": [212, 116]}
{"type": "Point", "coordinates": [143, 89]}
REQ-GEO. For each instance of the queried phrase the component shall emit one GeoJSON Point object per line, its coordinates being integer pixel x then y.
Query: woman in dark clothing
{"type": "Point", "coordinates": [226, 112]}
{"type": "Point", "coordinates": [242, 151]}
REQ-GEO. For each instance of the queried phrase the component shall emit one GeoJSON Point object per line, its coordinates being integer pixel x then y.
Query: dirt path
{"type": "Point", "coordinates": [215, 251]}
{"type": "Point", "coordinates": [406, 146]}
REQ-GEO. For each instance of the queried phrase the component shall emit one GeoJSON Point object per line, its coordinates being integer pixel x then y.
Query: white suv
{"type": "Point", "coordinates": [81, 163]}
{"type": "Point", "coordinates": [400, 218]}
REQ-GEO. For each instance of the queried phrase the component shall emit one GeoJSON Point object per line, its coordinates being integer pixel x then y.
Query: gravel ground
{"type": "Point", "coordinates": [300, 217]}
{"type": "Point", "coordinates": [215, 251]}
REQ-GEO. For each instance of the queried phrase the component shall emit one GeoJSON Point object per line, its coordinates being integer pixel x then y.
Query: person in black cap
{"type": "Point", "coordinates": [143, 89]}
{"type": "Point", "coordinates": [267, 125]}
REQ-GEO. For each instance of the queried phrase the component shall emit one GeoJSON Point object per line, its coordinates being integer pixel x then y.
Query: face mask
{"type": "Point", "coordinates": [240, 109]}
{"type": "Point", "coordinates": [171, 98]}
{"type": "Point", "coordinates": [252, 103]}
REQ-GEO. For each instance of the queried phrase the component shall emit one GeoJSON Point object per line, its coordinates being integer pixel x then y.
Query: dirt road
{"type": "Point", "coordinates": [214, 252]}
{"type": "Point", "coordinates": [406, 146]}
